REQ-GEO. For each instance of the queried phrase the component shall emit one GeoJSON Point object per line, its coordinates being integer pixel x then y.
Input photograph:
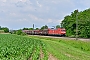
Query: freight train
{"type": "Point", "coordinates": [54, 32]}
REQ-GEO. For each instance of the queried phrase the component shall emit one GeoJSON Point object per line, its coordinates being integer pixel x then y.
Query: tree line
{"type": "Point", "coordinates": [42, 28]}
{"type": "Point", "coordinates": [77, 21]}
{"type": "Point", "coordinates": [4, 29]}
{"type": "Point", "coordinates": [19, 31]}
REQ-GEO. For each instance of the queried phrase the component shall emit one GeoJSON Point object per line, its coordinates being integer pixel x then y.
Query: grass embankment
{"type": "Point", "coordinates": [67, 49]}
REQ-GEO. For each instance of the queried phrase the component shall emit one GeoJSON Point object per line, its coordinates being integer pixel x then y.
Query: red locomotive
{"type": "Point", "coordinates": [59, 32]}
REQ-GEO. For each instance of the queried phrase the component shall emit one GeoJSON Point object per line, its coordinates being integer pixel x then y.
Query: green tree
{"type": "Point", "coordinates": [83, 19]}
{"type": "Point", "coordinates": [19, 32]}
{"type": "Point", "coordinates": [0, 27]}
{"type": "Point", "coordinates": [6, 30]}
{"type": "Point", "coordinates": [37, 29]}
{"type": "Point", "coordinates": [25, 28]}
{"type": "Point", "coordinates": [44, 27]}
{"type": "Point", "coordinates": [31, 29]}
{"type": "Point", "coordinates": [69, 23]}
{"type": "Point", "coordinates": [58, 26]}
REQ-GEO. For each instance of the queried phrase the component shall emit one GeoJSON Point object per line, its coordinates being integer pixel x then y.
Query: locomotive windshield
{"type": "Point", "coordinates": [62, 30]}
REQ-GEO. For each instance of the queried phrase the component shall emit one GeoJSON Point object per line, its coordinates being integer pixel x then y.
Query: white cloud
{"type": "Point", "coordinates": [33, 17]}
{"type": "Point", "coordinates": [49, 21]}
{"type": "Point", "coordinates": [23, 0]}
{"type": "Point", "coordinates": [39, 4]}
{"type": "Point", "coordinates": [36, 19]}
{"type": "Point", "coordinates": [13, 1]}
{"type": "Point", "coordinates": [13, 14]}
{"type": "Point", "coordinates": [4, 0]}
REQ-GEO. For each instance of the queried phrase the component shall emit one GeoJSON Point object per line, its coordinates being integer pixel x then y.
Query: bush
{"type": "Point", "coordinates": [19, 32]}
{"type": "Point", "coordinates": [23, 34]}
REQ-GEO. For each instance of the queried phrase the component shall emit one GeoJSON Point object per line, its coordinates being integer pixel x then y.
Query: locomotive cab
{"type": "Point", "coordinates": [63, 32]}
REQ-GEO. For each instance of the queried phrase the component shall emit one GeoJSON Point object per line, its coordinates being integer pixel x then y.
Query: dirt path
{"type": "Point", "coordinates": [41, 55]}
{"type": "Point", "coordinates": [51, 57]}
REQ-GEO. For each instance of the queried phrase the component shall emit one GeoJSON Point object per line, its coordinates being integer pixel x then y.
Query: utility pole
{"type": "Point", "coordinates": [77, 25]}
{"type": "Point", "coordinates": [33, 29]}
{"type": "Point", "coordinates": [33, 26]}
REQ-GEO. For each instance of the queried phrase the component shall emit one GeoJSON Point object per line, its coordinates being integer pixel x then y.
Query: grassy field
{"type": "Point", "coordinates": [67, 49]}
{"type": "Point", "coordinates": [14, 47]}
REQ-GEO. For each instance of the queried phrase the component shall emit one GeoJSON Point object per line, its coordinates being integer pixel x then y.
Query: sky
{"type": "Point", "coordinates": [17, 14]}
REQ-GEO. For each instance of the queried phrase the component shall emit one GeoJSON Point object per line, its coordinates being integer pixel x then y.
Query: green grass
{"type": "Point", "coordinates": [67, 49]}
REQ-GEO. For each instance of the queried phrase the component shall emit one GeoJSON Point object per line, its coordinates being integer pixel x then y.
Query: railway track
{"type": "Point", "coordinates": [67, 38]}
